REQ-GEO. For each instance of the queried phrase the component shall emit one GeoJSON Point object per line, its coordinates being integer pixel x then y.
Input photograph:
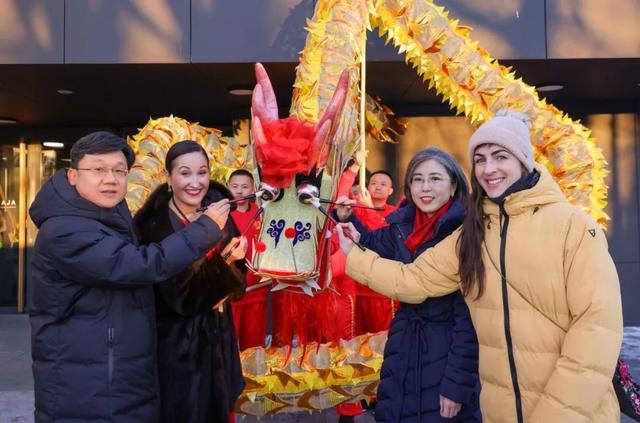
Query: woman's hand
{"type": "Point", "coordinates": [218, 212]}
{"type": "Point", "coordinates": [449, 409]}
{"type": "Point", "coordinates": [344, 209]}
{"type": "Point", "coordinates": [236, 249]}
{"type": "Point", "coordinates": [347, 234]}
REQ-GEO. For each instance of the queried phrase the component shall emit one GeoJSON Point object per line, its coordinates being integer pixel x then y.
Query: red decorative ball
{"type": "Point", "coordinates": [290, 233]}
{"type": "Point", "coordinates": [260, 247]}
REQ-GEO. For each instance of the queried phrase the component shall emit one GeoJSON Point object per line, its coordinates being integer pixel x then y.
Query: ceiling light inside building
{"type": "Point", "coordinates": [65, 92]}
{"type": "Point", "coordinates": [547, 88]}
{"type": "Point", "coordinates": [8, 121]}
{"type": "Point", "coordinates": [240, 91]}
{"type": "Point", "coordinates": [53, 144]}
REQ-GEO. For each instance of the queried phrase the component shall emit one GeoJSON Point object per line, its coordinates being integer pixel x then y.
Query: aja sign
{"type": "Point", "coordinates": [7, 204]}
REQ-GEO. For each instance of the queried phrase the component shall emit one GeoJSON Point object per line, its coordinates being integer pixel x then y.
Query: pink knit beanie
{"type": "Point", "coordinates": [508, 129]}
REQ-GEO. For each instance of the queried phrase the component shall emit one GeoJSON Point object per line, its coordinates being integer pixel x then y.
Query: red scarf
{"type": "Point", "coordinates": [423, 227]}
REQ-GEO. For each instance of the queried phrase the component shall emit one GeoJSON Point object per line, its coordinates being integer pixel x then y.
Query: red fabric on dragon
{"type": "Point", "coordinates": [288, 151]}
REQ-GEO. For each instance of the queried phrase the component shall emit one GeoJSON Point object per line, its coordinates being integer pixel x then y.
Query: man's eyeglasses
{"type": "Point", "coordinates": [433, 180]}
{"type": "Point", "coordinates": [103, 171]}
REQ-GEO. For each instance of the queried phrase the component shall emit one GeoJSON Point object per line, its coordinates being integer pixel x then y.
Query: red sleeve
{"type": "Point", "coordinates": [389, 208]}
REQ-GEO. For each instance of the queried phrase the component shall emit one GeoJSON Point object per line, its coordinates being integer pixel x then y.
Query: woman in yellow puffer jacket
{"type": "Point", "coordinates": [538, 279]}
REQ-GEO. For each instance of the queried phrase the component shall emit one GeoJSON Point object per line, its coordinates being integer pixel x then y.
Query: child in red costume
{"type": "Point", "coordinates": [250, 312]}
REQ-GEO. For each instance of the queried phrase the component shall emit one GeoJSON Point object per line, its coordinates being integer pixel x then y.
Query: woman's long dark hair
{"type": "Point", "coordinates": [471, 266]}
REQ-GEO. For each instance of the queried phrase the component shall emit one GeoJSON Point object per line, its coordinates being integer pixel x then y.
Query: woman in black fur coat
{"type": "Point", "coordinates": [198, 360]}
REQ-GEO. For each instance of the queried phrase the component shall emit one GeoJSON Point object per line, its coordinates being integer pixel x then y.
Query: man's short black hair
{"type": "Point", "coordinates": [99, 143]}
{"type": "Point", "coordinates": [383, 172]}
{"type": "Point", "coordinates": [240, 172]}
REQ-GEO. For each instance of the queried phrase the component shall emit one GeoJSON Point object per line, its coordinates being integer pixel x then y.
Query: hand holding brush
{"type": "Point", "coordinates": [236, 249]}
{"type": "Point", "coordinates": [226, 255]}
{"type": "Point", "coordinates": [348, 236]}
{"type": "Point", "coordinates": [316, 203]}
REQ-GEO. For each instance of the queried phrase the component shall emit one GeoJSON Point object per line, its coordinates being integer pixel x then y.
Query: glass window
{"type": "Point", "coordinates": [9, 224]}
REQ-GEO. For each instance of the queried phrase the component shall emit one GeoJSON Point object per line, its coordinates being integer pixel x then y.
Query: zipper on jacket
{"type": "Point", "coordinates": [505, 308]}
{"type": "Point", "coordinates": [110, 337]}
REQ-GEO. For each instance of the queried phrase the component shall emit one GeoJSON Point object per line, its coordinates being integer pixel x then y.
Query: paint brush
{"type": "Point", "coordinates": [316, 203]}
{"type": "Point", "coordinates": [235, 200]}
{"type": "Point", "coordinates": [359, 206]}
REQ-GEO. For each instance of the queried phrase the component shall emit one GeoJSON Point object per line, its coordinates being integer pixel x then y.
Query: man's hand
{"type": "Point", "coordinates": [449, 409]}
{"type": "Point", "coordinates": [344, 209]}
{"type": "Point", "coordinates": [218, 212]}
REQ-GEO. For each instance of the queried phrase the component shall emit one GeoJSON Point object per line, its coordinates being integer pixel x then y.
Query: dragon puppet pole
{"type": "Point", "coordinates": [363, 108]}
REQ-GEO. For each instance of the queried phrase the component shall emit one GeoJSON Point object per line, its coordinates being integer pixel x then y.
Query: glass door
{"type": "Point", "coordinates": [23, 170]}
{"type": "Point", "coordinates": [10, 227]}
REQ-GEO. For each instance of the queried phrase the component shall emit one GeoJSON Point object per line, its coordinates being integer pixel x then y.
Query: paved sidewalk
{"type": "Point", "coordinates": [16, 382]}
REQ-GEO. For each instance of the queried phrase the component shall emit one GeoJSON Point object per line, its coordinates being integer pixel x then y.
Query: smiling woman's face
{"type": "Point", "coordinates": [431, 186]}
{"type": "Point", "coordinates": [189, 179]}
{"type": "Point", "coordinates": [496, 169]}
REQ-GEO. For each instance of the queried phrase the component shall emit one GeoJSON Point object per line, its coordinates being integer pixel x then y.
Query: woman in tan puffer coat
{"type": "Point", "coordinates": [538, 279]}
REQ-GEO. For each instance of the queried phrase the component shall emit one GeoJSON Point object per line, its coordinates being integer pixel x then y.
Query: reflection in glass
{"type": "Point", "coordinates": [9, 225]}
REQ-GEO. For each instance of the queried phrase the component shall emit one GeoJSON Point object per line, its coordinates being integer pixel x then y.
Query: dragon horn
{"type": "Point", "coordinates": [268, 96]}
{"type": "Point", "coordinates": [258, 107]}
{"type": "Point", "coordinates": [334, 109]}
{"type": "Point", "coordinates": [259, 139]}
{"type": "Point", "coordinates": [320, 146]}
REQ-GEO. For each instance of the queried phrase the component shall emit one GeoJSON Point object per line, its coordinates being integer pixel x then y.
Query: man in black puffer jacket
{"type": "Point", "coordinates": [92, 306]}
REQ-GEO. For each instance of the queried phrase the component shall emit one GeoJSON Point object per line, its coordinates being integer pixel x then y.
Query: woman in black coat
{"type": "Point", "coordinates": [198, 359]}
{"type": "Point", "coordinates": [430, 367]}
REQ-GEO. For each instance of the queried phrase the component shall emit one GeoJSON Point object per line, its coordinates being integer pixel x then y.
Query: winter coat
{"type": "Point", "coordinates": [549, 323]}
{"type": "Point", "coordinates": [198, 359]}
{"type": "Point", "coordinates": [432, 348]}
{"type": "Point", "coordinates": [92, 309]}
